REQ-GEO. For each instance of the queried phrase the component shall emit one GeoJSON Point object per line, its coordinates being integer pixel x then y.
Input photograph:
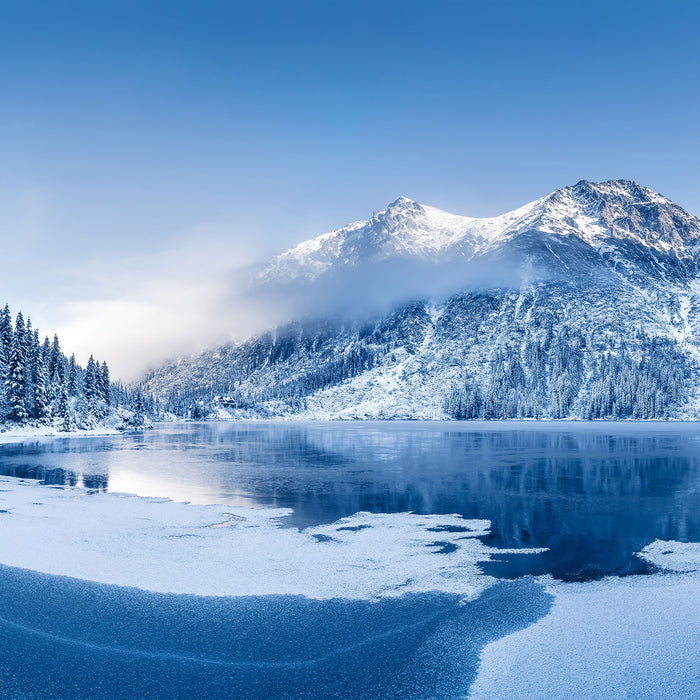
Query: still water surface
{"type": "Point", "coordinates": [594, 494]}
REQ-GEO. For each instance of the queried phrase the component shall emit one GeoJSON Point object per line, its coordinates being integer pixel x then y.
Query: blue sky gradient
{"type": "Point", "coordinates": [131, 128]}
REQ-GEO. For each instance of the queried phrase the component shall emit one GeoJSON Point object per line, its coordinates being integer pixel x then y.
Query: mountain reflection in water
{"type": "Point", "coordinates": [592, 493]}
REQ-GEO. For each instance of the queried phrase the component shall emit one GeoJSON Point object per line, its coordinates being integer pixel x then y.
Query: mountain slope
{"type": "Point", "coordinates": [600, 320]}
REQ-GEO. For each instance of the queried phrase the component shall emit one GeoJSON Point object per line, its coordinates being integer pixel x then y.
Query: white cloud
{"type": "Point", "coordinates": [137, 312]}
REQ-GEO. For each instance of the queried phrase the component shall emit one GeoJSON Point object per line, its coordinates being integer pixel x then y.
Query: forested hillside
{"type": "Point", "coordinates": [494, 355]}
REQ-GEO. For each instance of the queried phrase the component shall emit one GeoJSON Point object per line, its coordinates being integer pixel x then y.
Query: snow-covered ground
{"type": "Point", "coordinates": [17, 433]}
{"type": "Point", "coordinates": [633, 637]}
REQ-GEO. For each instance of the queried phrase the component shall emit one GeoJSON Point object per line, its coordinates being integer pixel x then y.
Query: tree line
{"type": "Point", "coordinates": [40, 385]}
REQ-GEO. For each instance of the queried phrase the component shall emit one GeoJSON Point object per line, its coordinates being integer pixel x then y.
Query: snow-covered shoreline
{"type": "Point", "coordinates": [480, 424]}
{"type": "Point", "coordinates": [177, 547]}
{"type": "Point", "coordinates": [21, 433]}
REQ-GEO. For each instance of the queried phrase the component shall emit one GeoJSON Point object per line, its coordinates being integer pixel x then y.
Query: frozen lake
{"type": "Point", "coordinates": [593, 494]}
{"type": "Point", "coordinates": [378, 604]}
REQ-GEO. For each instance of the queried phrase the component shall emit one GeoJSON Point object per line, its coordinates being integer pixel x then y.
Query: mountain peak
{"type": "Point", "coordinates": [398, 207]}
{"type": "Point", "coordinates": [613, 182]}
{"type": "Point", "coordinates": [615, 212]}
{"type": "Point", "coordinates": [626, 189]}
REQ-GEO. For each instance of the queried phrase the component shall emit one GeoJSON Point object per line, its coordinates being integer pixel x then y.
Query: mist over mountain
{"type": "Point", "coordinates": [583, 303]}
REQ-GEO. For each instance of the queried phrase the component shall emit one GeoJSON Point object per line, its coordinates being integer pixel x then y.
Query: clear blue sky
{"type": "Point", "coordinates": [132, 127]}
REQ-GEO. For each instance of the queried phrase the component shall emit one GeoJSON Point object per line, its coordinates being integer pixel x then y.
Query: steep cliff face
{"type": "Point", "coordinates": [599, 319]}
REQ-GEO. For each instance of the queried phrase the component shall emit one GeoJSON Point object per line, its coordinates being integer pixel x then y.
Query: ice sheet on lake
{"type": "Point", "coordinates": [164, 546]}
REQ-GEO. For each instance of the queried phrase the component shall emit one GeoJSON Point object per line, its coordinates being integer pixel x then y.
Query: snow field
{"type": "Point", "coordinates": [620, 637]}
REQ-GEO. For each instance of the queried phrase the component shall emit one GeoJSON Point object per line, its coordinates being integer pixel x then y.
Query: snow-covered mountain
{"type": "Point", "coordinates": [598, 214]}
{"type": "Point", "coordinates": [601, 319]}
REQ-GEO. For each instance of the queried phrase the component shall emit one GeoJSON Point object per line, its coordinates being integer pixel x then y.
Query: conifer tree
{"type": "Point", "coordinates": [54, 357]}
{"type": "Point", "coordinates": [16, 382]}
{"type": "Point", "coordinates": [6, 335]}
{"type": "Point", "coordinates": [30, 367]}
{"type": "Point", "coordinates": [72, 376]}
{"type": "Point", "coordinates": [42, 408]}
{"type": "Point", "coordinates": [105, 385]}
{"type": "Point", "coordinates": [139, 410]}
{"type": "Point", "coordinates": [18, 336]}
{"type": "Point", "coordinates": [65, 414]}
{"type": "Point", "coordinates": [90, 388]}
{"type": "Point", "coordinates": [6, 330]}
{"type": "Point", "coordinates": [58, 378]}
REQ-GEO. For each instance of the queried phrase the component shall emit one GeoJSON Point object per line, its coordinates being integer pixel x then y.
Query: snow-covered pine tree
{"type": "Point", "coordinates": [54, 357]}
{"type": "Point", "coordinates": [72, 376]}
{"type": "Point", "coordinates": [53, 389]}
{"type": "Point", "coordinates": [42, 407]}
{"type": "Point", "coordinates": [5, 348]}
{"type": "Point", "coordinates": [90, 388]}
{"type": "Point", "coordinates": [6, 335]}
{"type": "Point", "coordinates": [139, 409]}
{"type": "Point", "coordinates": [16, 379]}
{"type": "Point", "coordinates": [30, 367]}
{"type": "Point", "coordinates": [105, 384]}
{"type": "Point", "coordinates": [58, 378]}
{"type": "Point", "coordinates": [6, 330]}
{"type": "Point", "coordinates": [65, 413]}
{"type": "Point", "coordinates": [46, 352]}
